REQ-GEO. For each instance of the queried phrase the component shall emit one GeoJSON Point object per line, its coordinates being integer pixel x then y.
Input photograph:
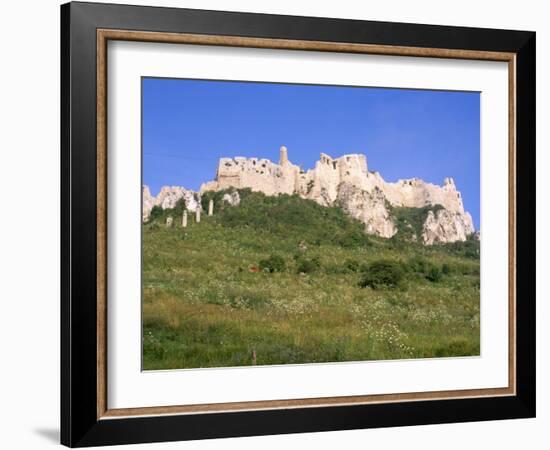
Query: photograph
{"type": "Point", "coordinates": [284, 223]}
{"type": "Point", "coordinates": [296, 224]}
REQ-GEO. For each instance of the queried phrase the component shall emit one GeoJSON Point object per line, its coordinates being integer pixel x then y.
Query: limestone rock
{"type": "Point", "coordinates": [446, 226]}
{"type": "Point", "coordinates": [148, 202]}
{"type": "Point", "coordinates": [167, 198]}
{"type": "Point", "coordinates": [368, 207]}
{"type": "Point", "coordinates": [233, 198]}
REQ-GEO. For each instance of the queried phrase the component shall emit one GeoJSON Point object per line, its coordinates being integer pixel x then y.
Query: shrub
{"type": "Point", "coordinates": [217, 198]}
{"type": "Point", "coordinates": [383, 274]}
{"type": "Point", "coordinates": [159, 215]}
{"type": "Point", "coordinates": [292, 218]}
{"type": "Point", "coordinates": [418, 264]}
{"type": "Point", "coordinates": [467, 269]}
{"type": "Point", "coordinates": [353, 239]}
{"type": "Point", "coordinates": [272, 264]}
{"type": "Point", "coordinates": [308, 265]}
{"type": "Point", "coordinates": [446, 269]}
{"type": "Point", "coordinates": [351, 265]}
{"type": "Point", "coordinates": [434, 274]}
{"type": "Point", "coordinates": [156, 213]}
{"type": "Point", "coordinates": [469, 248]}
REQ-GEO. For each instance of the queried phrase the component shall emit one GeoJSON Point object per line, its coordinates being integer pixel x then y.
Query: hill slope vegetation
{"type": "Point", "coordinates": [282, 280]}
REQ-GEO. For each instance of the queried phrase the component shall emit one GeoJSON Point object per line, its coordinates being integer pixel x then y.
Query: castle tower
{"type": "Point", "coordinates": [283, 156]}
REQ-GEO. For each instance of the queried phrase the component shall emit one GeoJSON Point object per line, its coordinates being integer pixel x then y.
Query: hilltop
{"type": "Point", "coordinates": [343, 182]}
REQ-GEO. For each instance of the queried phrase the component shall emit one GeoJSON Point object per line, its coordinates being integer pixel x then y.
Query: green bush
{"type": "Point", "coordinates": [293, 218]}
{"type": "Point", "coordinates": [466, 269]}
{"type": "Point", "coordinates": [353, 239]}
{"type": "Point", "coordinates": [383, 274]}
{"type": "Point", "coordinates": [305, 265]}
{"type": "Point", "coordinates": [469, 248]}
{"type": "Point", "coordinates": [418, 264]}
{"type": "Point", "coordinates": [272, 264]}
{"type": "Point", "coordinates": [159, 215]}
{"type": "Point", "coordinates": [217, 198]}
{"type": "Point", "coordinates": [446, 269]}
{"type": "Point", "coordinates": [434, 274]}
{"type": "Point", "coordinates": [351, 265]}
{"type": "Point", "coordinates": [156, 213]}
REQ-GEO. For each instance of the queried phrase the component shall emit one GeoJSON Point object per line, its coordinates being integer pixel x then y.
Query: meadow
{"type": "Point", "coordinates": [282, 280]}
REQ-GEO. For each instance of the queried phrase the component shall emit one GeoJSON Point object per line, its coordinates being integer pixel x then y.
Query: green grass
{"type": "Point", "coordinates": [208, 303]}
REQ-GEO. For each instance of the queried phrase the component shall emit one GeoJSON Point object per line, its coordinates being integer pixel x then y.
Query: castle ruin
{"type": "Point", "coordinates": [345, 182]}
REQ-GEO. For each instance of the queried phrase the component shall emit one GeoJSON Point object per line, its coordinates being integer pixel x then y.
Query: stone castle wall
{"type": "Point", "coordinates": [322, 182]}
{"type": "Point", "coordinates": [347, 182]}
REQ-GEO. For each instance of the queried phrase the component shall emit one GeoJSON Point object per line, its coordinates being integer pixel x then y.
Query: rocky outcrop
{"type": "Point", "coordinates": [368, 207]}
{"type": "Point", "coordinates": [446, 226]}
{"type": "Point", "coordinates": [148, 201]}
{"type": "Point", "coordinates": [347, 182]}
{"type": "Point", "coordinates": [167, 198]}
{"type": "Point", "coordinates": [232, 198]}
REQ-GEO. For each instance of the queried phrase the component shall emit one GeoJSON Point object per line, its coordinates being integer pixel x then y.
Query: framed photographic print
{"type": "Point", "coordinates": [276, 224]}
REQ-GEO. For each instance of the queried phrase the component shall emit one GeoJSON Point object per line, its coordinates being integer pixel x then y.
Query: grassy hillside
{"type": "Point", "coordinates": [281, 280]}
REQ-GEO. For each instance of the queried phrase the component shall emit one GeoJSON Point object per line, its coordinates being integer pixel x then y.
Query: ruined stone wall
{"type": "Point", "coordinates": [346, 182]}
{"type": "Point", "coordinates": [417, 193]}
{"type": "Point", "coordinates": [322, 182]}
{"type": "Point", "coordinates": [257, 174]}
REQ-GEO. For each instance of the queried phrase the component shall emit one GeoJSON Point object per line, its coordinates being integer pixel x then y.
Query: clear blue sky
{"type": "Point", "coordinates": [189, 124]}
